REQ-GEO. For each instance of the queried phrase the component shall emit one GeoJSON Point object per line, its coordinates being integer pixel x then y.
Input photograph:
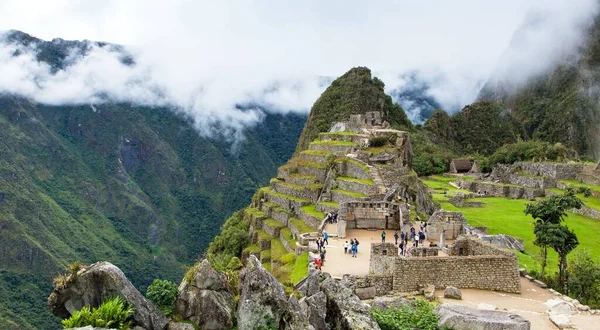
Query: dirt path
{"type": "Point", "coordinates": [529, 304]}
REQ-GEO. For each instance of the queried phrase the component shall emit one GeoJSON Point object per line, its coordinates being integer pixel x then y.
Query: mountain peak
{"type": "Point", "coordinates": [355, 92]}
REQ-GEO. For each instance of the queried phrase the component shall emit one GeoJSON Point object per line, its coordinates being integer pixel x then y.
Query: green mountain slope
{"type": "Point", "coordinates": [135, 186]}
{"type": "Point", "coordinates": [479, 128]}
{"type": "Point", "coordinates": [355, 92]}
{"type": "Point", "coordinates": [562, 104]}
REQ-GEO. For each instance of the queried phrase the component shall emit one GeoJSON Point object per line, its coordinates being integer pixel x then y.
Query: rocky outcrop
{"type": "Point", "coordinates": [505, 241]}
{"type": "Point", "coordinates": [344, 308]}
{"type": "Point", "coordinates": [263, 302]}
{"type": "Point", "coordinates": [93, 285]}
{"type": "Point", "coordinates": [315, 309]}
{"type": "Point", "coordinates": [385, 303]}
{"type": "Point", "coordinates": [462, 317]}
{"type": "Point", "coordinates": [205, 299]}
{"type": "Point", "coordinates": [452, 293]}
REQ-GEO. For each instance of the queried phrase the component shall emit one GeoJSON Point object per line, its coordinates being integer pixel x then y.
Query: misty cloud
{"type": "Point", "coordinates": [224, 65]}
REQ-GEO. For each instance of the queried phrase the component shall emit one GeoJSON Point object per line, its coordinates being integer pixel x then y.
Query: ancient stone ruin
{"type": "Point", "coordinates": [467, 263]}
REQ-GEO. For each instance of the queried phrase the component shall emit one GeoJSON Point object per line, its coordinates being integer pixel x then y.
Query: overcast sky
{"type": "Point", "coordinates": [210, 55]}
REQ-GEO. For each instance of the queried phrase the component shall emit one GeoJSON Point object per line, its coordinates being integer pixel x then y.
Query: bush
{"type": "Point", "coordinates": [162, 294]}
{"type": "Point", "coordinates": [586, 191]}
{"type": "Point", "coordinates": [534, 150]}
{"type": "Point", "coordinates": [378, 141]}
{"type": "Point", "coordinates": [418, 315]}
{"type": "Point", "coordinates": [584, 279]}
{"type": "Point", "coordinates": [113, 313]}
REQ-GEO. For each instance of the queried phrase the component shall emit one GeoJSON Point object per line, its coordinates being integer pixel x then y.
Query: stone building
{"type": "Point", "coordinates": [371, 215]}
{"type": "Point", "coordinates": [449, 223]}
{"type": "Point", "coordinates": [460, 166]}
{"type": "Point", "coordinates": [470, 263]}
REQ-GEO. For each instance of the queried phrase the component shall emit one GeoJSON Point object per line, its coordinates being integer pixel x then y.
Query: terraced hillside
{"type": "Point", "coordinates": [287, 214]}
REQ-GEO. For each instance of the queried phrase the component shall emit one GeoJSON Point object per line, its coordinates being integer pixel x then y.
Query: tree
{"type": "Point", "coordinates": [584, 278]}
{"type": "Point", "coordinates": [162, 293]}
{"type": "Point", "coordinates": [550, 210]}
{"type": "Point", "coordinates": [563, 241]}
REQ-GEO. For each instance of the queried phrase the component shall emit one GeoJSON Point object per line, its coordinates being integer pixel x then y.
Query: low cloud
{"type": "Point", "coordinates": [224, 65]}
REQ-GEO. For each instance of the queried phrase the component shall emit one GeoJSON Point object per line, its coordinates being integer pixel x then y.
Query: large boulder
{"type": "Point", "coordinates": [310, 285]}
{"type": "Point", "coordinates": [315, 309]}
{"type": "Point", "coordinates": [344, 308]}
{"type": "Point", "coordinates": [205, 298]}
{"type": "Point", "coordinates": [385, 303]}
{"type": "Point", "coordinates": [559, 306]}
{"type": "Point", "coordinates": [263, 303]}
{"type": "Point", "coordinates": [93, 285]}
{"type": "Point", "coordinates": [462, 317]}
{"type": "Point", "coordinates": [452, 293]}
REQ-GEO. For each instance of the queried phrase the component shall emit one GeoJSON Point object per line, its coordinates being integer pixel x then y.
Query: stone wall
{"type": "Point", "coordinates": [370, 286]}
{"type": "Point", "coordinates": [370, 215]}
{"type": "Point", "coordinates": [588, 212]}
{"type": "Point", "coordinates": [382, 258]}
{"type": "Point", "coordinates": [367, 189]}
{"type": "Point", "coordinates": [319, 173]}
{"type": "Point", "coordinates": [471, 246]}
{"type": "Point", "coordinates": [350, 169]}
{"type": "Point", "coordinates": [424, 252]}
{"type": "Point", "coordinates": [486, 272]}
{"type": "Point", "coordinates": [557, 171]}
{"type": "Point", "coordinates": [450, 222]}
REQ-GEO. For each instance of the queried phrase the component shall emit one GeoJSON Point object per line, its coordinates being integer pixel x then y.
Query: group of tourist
{"type": "Point", "coordinates": [331, 217]}
{"type": "Point", "coordinates": [414, 236]}
{"type": "Point", "coordinates": [353, 247]}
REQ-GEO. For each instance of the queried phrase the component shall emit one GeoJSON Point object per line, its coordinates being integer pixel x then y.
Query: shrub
{"type": "Point", "coordinates": [584, 279]}
{"type": "Point", "coordinates": [534, 150]}
{"type": "Point", "coordinates": [162, 293]}
{"type": "Point", "coordinates": [418, 315]}
{"type": "Point", "coordinates": [586, 191]}
{"type": "Point", "coordinates": [113, 313]}
{"type": "Point", "coordinates": [378, 141]}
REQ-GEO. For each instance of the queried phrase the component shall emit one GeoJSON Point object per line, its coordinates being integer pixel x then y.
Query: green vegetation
{"type": "Point", "coordinates": [378, 141]}
{"type": "Point", "coordinates": [273, 223]}
{"type": "Point", "coordinates": [277, 249]}
{"type": "Point", "coordinates": [339, 133]}
{"type": "Point", "coordinates": [419, 315]}
{"type": "Point", "coordinates": [533, 150]}
{"type": "Point", "coordinates": [113, 313]}
{"type": "Point", "coordinates": [431, 155]}
{"type": "Point", "coordinates": [353, 194]}
{"type": "Point", "coordinates": [584, 279]}
{"type": "Point", "coordinates": [353, 161]}
{"type": "Point", "coordinates": [136, 186]}
{"type": "Point", "coordinates": [311, 209]}
{"type": "Point", "coordinates": [230, 243]}
{"type": "Point", "coordinates": [301, 226]}
{"type": "Point", "coordinates": [331, 204]}
{"type": "Point", "coordinates": [479, 128]}
{"type": "Point", "coordinates": [335, 143]}
{"type": "Point", "coordinates": [548, 214]}
{"type": "Point", "coordinates": [300, 268]}
{"type": "Point", "coordinates": [355, 92]}
{"type": "Point", "coordinates": [162, 294]}
{"type": "Point", "coordinates": [362, 181]}
{"type": "Point", "coordinates": [289, 197]}
{"type": "Point", "coordinates": [289, 238]}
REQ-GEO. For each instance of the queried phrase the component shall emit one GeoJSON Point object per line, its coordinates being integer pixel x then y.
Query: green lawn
{"type": "Point", "coordinates": [300, 268]}
{"type": "Point", "coordinates": [353, 194]}
{"type": "Point", "coordinates": [506, 216]}
{"type": "Point", "coordinates": [312, 210]}
{"type": "Point", "coordinates": [579, 184]}
{"type": "Point", "coordinates": [335, 143]}
{"type": "Point", "coordinates": [355, 180]}
{"type": "Point", "coordinates": [301, 226]}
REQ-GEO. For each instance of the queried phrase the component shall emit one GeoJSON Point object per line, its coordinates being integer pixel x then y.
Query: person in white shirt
{"type": "Point", "coordinates": [346, 247]}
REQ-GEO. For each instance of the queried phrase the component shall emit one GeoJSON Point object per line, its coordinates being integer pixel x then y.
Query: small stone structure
{"type": "Point", "coordinates": [471, 263]}
{"type": "Point", "coordinates": [370, 215]}
{"type": "Point", "coordinates": [460, 166]}
{"type": "Point", "coordinates": [452, 223]}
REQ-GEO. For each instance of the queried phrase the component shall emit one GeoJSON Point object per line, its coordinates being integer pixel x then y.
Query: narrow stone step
{"type": "Point", "coordinates": [285, 201]}
{"type": "Point", "coordinates": [317, 156]}
{"type": "Point", "coordinates": [298, 227]}
{"type": "Point", "coordinates": [364, 186]}
{"type": "Point", "coordinates": [302, 180]}
{"type": "Point", "coordinates": [343, 196]}
{"type": "Point", "coordinates": [381, 188]}
{"type": "Point", "coordinates": [272, 227]}
{"type": "Point", "coordinates": [339, 148]}
{"type": "Point", "coordinates": [311, 216]}
{"type": "Point", "coordinates": [326, 207]}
